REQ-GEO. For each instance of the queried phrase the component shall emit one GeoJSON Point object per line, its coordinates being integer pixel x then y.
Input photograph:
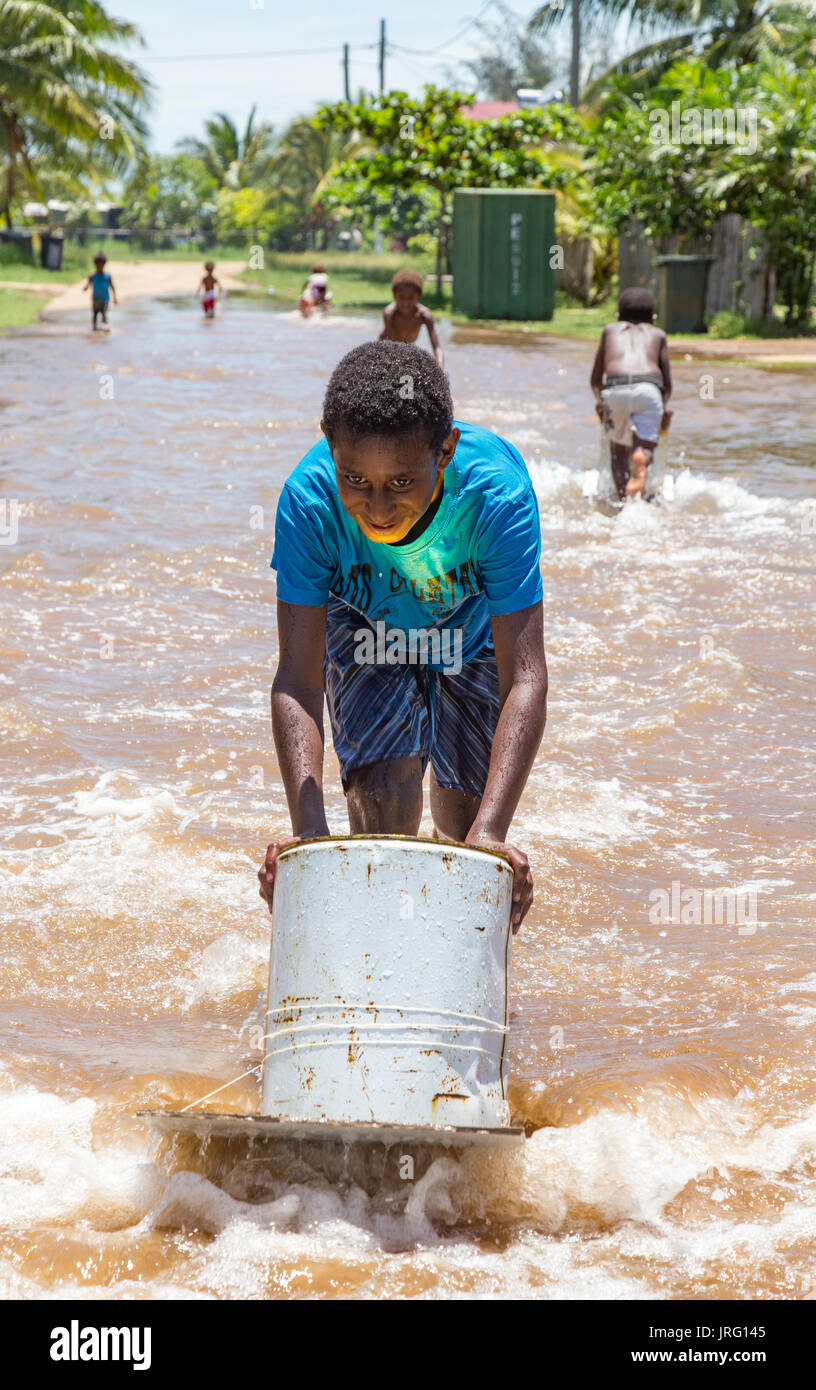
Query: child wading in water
{"type": "Point", "coordinates": [409, 594]}
{"type": "Point", "coordinates": [208, 289]}
{"type": "Point", "coordinates": [315, 293]}
{"type": "Point", "coordinates": [405, 317]}
{"type": "Point", "coordinates": [631, 379]}
{"type": "Point", "coordinates": [102, 288]}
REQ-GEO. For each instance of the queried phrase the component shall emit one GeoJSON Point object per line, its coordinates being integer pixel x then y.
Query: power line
{"type": "Point", "coordinates": [458, 35]}
{"type": "Point", "coordinates": [270, 53]}
{"type": "Point", "coordinates": [421, 70]}
{"type": "Point", "coordinates": [308, 52]}
{"type": "Point", "coordinates": [415, 68]}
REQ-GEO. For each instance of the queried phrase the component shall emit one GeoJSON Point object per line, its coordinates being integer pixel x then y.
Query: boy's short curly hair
{"type": "Point", "coordinates": [388, 389]}
{"type": "Point", "coordinates": [636, 305]}
{"type": "Point", "coordinates": [412, 278]}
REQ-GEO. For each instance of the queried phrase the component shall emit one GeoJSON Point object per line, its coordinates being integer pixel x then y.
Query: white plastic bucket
{"type": "Point", "coordinates": [388, 984]}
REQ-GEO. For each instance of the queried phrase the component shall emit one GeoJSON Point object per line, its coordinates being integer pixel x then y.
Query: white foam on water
{"type": "Point", "coordinates": [611, 1175]}
{"type": "Point", "coordinates": [121, 858]}
{"type": "Point", "coordinates": [685, 491]}
{"type": "Point", "coordinates": [103, 801]}
{"type": "Point", "coordinates": [50, 1171]}
{"type": "Point", "coordinates": [637, 519]}
{"type": "Point", "coordinates": [580, 810]}
{"type": "Point", "coordinates": [332, 319]}
{"type": "Point", "coordinates": [190, 1201]}
{"type": "Point", "coordinates": [807, 984]}
{"type": "Point", "coordinates": [698, 493]}
{"type": "Point", "coordinates": [228, 967]}
{"type": "Point", "coordinates": [552, 480]}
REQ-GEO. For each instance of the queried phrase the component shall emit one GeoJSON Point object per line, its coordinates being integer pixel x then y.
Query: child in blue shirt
{"type": "Point", "coordinates": [409, 594]}
{"type": "Point", "coordinates": [102, 287]}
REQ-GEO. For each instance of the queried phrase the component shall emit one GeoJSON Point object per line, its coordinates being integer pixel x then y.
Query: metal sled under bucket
{"type": "Point", "coordinates": [212, 1125]}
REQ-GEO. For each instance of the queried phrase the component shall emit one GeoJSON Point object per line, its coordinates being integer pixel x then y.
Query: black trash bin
{"type": "Point", "coordinates": [682, 282]}
{"type": "Point", "coordinates": [50, 251]}
{"type": "Point", "coordinates": [23, 242]}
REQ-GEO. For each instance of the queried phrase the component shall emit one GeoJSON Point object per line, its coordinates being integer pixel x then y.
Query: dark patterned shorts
{"type": "Point", "coordinates": [400, 711]}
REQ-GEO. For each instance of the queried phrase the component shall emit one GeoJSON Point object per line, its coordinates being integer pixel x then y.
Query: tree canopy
{"type": "Point", "coordinates": [67, 97]}
{"type": "Point", "coordinates": [429, 142]}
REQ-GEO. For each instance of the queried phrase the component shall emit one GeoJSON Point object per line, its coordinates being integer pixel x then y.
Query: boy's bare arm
{"type": "Point", "coordinates": [663, 359]}
{"type": "Point", "coordinates": [297, 713]}
{"type": "Point", "coordinates": [430, 324]}
{"type": "Point", "coordinates": [596, 379]}
{"type": "Point", "coordinates": [297, 725]}
{"type": "Point", "coordinates": [386, 329]}
{"type": "Point", "coordinates": [112, 289]}
{"type": "Point", "coordinates": [518, 639]}
{"type": "Point", "coordinates": [87, 283]}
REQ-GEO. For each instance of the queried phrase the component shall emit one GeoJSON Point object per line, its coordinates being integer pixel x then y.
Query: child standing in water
{"type": "Point", "coordinates": [631, 379]}
{"type": "Point", "coordinates": [102, 288]}
{"type": "Point", "coordinates": [315, 293]}
{"type": "Point", "coordinates": [405, 317]}
{"type": "Point", "coordinates": [208, 289]}
{"type": "Point", "coordinates": [404, 524]}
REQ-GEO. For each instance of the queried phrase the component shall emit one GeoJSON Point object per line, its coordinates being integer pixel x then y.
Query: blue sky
{"type": "Point", "coordinates": [187, 91]}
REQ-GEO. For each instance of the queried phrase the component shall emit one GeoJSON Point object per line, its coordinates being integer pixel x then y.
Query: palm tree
{"type": "Point", "coordinates": [718, 31]}
{"type": "Point", "coordinates": [580, 11]}
{"type": "Point", "coordinates": [304, 162]}
{"type": "Point", "coordinates": [233, 160]}
{"type": "Point", "coordinates": [64, 95]}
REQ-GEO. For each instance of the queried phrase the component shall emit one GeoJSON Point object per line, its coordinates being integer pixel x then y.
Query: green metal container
{"type": "Point", "coordinates": [682, 282]}
{"type": "Point", "coordinates": [503, 240]}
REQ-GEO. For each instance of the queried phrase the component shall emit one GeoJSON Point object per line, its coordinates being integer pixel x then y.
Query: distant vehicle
{"type": "Point", "coordinates": [532, 97]}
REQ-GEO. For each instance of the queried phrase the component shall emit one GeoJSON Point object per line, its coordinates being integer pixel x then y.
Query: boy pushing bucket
{"type": "Point", "coordinates": [407, 552]}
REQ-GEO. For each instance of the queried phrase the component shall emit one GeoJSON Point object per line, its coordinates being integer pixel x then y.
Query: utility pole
{"type": "Point", "coordinates": [382, 56]}
{"type": "Point", "coordinates": [575, 64]}
{"type": "Point", "coordinates": [346, 87]}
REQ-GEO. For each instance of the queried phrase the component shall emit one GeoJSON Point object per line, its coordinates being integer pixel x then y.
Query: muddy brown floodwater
{"type": "Point", "coordinates": [662, 1060]}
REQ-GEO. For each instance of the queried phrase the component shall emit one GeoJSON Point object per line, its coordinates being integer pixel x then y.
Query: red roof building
{"type": "Point", "coordinates": [488, 110]}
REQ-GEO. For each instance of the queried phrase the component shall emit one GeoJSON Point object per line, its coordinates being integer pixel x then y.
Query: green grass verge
{"type": "Point", "coordinates": [362, 280]}
{"type": "Point", "coordinates": [782, 366]}
{"type": "Point", "coordinates": [19, 307]}
{"type": "Point", "coordinates": [77, 260]}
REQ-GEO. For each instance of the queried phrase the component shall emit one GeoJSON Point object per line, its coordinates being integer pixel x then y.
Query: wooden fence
{"type": "Point", "coordinates": [740, 278]}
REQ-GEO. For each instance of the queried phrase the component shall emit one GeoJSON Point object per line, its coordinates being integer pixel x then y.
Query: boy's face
{"type": "Point", "coordinates": [407, 298]}
{"type": "Point", "coordinates": [388, 484]}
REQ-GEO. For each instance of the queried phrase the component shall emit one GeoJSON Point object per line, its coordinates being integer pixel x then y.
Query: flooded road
{"type": "Point", "coordinates": [664, 983]}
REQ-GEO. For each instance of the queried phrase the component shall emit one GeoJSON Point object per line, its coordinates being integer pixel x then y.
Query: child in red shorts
{"type": "Point", "coordinates": [208, 290]}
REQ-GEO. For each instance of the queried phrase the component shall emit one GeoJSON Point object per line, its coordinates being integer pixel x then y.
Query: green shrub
{"type": "Point", "coordinates": [423, 244]}
{"type": "Point", "coordinates": [14, 255]}
{"type": "Point", "coordinates": [725, 324]}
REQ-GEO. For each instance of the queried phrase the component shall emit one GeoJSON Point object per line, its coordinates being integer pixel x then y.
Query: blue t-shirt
{"type": "Point", "coordinates": [479, 556]}
{"type": "Point", "coordinates": [100, 284]}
